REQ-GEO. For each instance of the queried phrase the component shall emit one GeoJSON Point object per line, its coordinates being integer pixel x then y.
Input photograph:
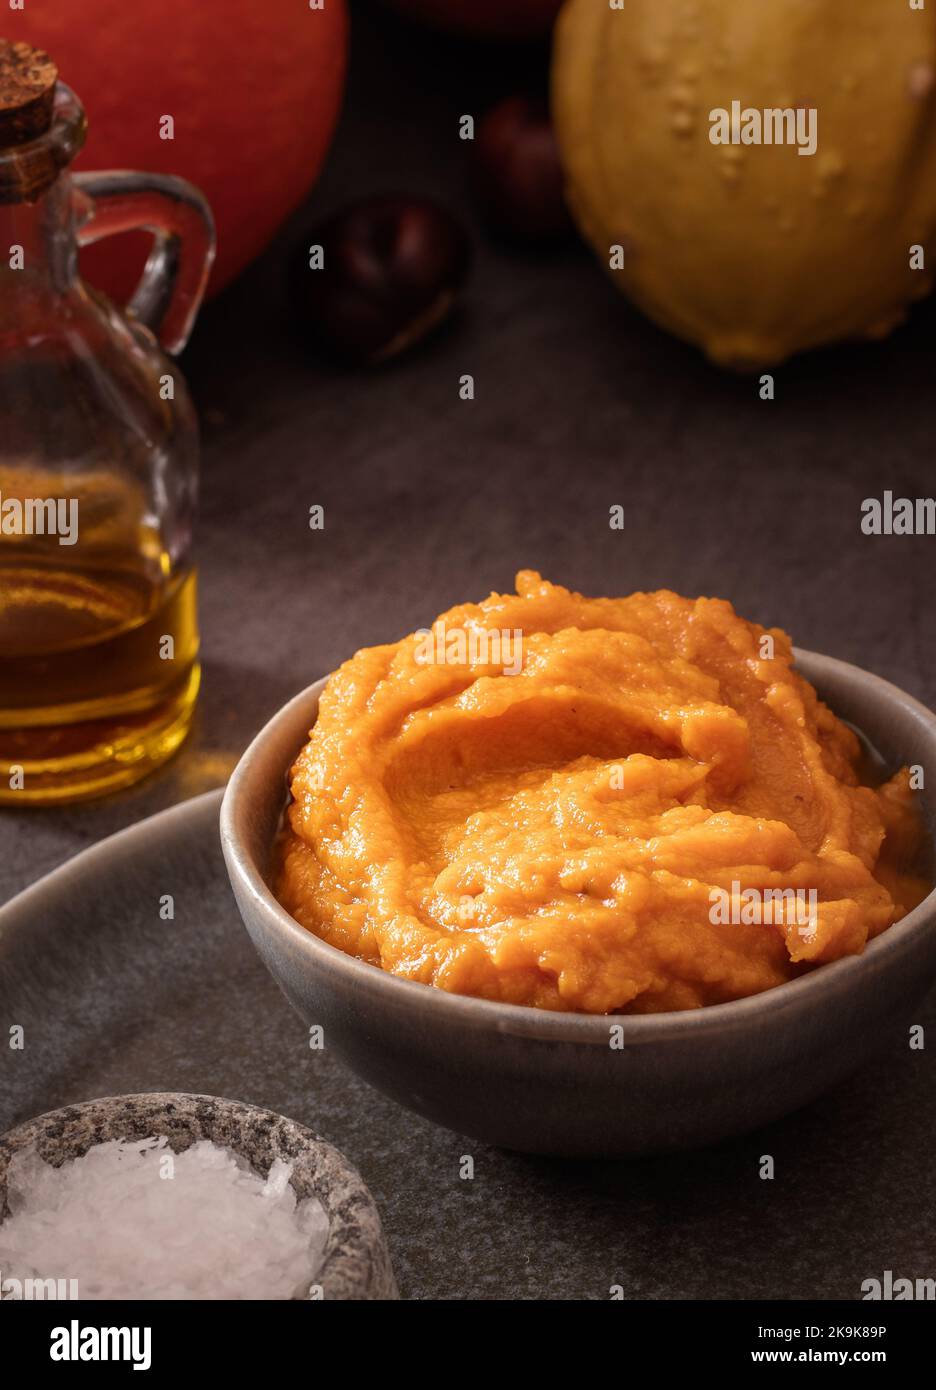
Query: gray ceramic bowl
{"type": "Point", "coordinates": [548, 1082]}
{"type": "Point", "coordinates": [356, 1264]}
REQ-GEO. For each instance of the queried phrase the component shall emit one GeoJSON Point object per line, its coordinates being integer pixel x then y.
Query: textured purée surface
{"type": "Point", "coordinates": [430, 500]}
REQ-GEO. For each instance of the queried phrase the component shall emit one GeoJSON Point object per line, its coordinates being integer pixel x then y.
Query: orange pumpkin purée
{"type": "Point", "coordinates": [553, 837]}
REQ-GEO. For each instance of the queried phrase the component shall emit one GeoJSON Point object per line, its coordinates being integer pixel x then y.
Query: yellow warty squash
{"type": "Point", "coordinates": [754, 251]}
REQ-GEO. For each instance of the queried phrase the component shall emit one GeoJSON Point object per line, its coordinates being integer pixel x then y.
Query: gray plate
{"type": "Point", "coordinates": [114, 999]}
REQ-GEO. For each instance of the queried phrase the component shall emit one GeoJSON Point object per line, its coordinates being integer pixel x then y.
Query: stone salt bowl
{"type": "Point", "coordinates": [355, 1264]}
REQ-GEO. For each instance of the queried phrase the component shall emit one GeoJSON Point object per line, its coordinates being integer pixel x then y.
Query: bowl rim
{"type": "Point", "coordinates": [354, 1256]}
{"type": "Point", "coordinates": [549, 1024]}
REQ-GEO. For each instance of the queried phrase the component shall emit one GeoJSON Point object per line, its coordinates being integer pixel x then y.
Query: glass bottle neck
{"type": "Point", "coordinates": [38, 251]}
{"type": "Point", "coordinates": [38, 248]}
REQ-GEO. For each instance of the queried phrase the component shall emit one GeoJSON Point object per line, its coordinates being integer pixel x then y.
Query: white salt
{"type": "Point", "coordinates": [133, 1220]}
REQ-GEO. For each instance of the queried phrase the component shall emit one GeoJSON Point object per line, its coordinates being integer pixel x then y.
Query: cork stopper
{"type": "Point", "coordinates": [27, 92]}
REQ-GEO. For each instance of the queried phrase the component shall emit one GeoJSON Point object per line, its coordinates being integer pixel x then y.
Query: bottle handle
{"type": "Point", "coordinates": [172, 285]}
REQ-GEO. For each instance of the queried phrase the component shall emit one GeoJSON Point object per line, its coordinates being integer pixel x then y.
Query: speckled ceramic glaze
{"type": "Point", "coordinates": [547, 1082]}
{"type": "Point", "coordinates": [356, 1264]}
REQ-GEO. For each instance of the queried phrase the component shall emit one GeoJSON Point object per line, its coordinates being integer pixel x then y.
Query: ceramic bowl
{"type": "Point", "coordinates": [355, 1265]}
{"type": "Point", "coordinates": [548, 1082]}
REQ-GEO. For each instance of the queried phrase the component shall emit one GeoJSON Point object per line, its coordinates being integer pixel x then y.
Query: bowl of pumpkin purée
{"type": "Point", "coordinates": [592, 875]}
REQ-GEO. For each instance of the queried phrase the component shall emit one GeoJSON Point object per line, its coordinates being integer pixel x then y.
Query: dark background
{"type": "Point", "coordinates": [580, 404]}
{"type": "Point", "coordinates": [430, 500]}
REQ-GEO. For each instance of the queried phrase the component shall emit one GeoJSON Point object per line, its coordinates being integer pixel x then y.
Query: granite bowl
{"type": "Point", "coordinates": [548, 1082]}
{"type": "Point", "coordinates": [355, 1264]}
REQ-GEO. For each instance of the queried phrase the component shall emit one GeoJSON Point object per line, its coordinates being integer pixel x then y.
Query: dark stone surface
{"type": "Point", "coordinates": [580, 404]}
{"type": "Point", "coordinates": [114, 1000]}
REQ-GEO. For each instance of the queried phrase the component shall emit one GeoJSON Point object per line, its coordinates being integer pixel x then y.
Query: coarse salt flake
{"type": "Point", "coordinates": [133, 1220]}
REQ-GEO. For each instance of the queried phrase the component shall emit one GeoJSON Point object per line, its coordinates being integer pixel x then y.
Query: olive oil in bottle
{"type": "Point", "coordinates": [98, 459]}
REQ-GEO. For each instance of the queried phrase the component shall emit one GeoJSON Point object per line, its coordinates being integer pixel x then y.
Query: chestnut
{"type": "Point", "coordinates": [517, 173]}
{"type": "Point", "coordinates": [392, 268]}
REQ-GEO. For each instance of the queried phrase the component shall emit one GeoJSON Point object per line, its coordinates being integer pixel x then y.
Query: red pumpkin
{"type": "Point", "coordinates": [507, 19]}
{"type": "Point", "coordinates": [253, 89]}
